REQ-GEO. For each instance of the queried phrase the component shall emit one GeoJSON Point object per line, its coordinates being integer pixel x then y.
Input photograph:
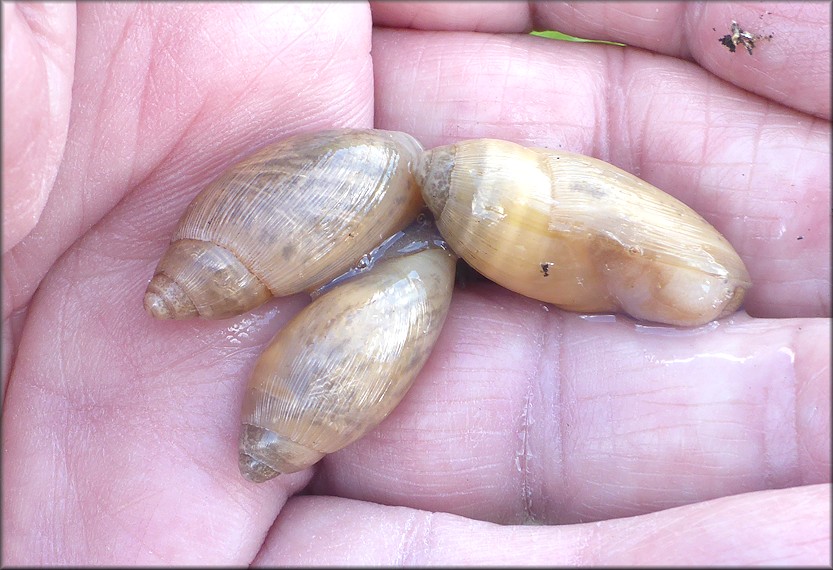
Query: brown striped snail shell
{"type": "Point", "coordinates": [579, 233]}
{"type": "Point", "coordinates": [347, 359]}
{"type": "Point", "coordinates": [287, 219]}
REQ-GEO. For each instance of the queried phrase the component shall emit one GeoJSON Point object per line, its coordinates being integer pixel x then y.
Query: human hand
{"type": "Point", "coordinates": [630, 444]}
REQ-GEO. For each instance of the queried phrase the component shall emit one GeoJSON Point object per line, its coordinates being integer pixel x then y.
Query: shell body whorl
{"type": "Point", "coordinates": [579, 233]}
{"type": "Point", "coordinates": [287, 219]}
{"type": "Point", "coordinates": [343, 363]}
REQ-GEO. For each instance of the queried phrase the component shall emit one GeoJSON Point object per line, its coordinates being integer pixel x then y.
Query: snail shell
{"type": "Point", "coordinates": [347, 359]}
{"type": "Point", "coordinates": [287, 219]}
{"type": "Point", "coordinates": [579, 233]}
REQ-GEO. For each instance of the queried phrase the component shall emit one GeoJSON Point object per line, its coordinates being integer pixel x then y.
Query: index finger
{"type": "Point", "coordinates": [789, 61]}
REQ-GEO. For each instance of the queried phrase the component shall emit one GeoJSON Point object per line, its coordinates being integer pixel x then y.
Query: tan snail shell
{"type": "Point", "coordinates": [287, 219]}
{"type": "Point", "coordinates": [346, 360]}
{"type": "Point", "coordinates": [579, 233]}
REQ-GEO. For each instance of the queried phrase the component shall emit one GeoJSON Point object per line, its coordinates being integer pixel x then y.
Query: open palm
{"type": "Point", "coordinates": [709, 445]}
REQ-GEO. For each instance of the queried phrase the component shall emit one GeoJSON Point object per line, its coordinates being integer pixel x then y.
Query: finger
{"type": "Point", "coordinates": [789, 63]}
{"type": "Point", "coordinates": [527, 414]}
{"type": "Point", "coordinates": [759, 173]}
{"type": "Point", "coordinates": [38, 60]}
{"type": "Point", "coordinates": [739, 530]}
{"type": "Point", "coordinates": [499, 17]}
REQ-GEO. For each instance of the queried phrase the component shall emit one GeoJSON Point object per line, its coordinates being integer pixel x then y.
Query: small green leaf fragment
{"type": "Point", "coordinates": [553, 35]}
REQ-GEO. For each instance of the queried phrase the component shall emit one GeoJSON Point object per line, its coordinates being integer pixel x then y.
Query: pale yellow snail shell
{"type": "Point", "coordinates": [579, 233]}
{"type": "Point", "coordinates": [346, 360]}
{"type": "Point", "coordinates": [287, 219]}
